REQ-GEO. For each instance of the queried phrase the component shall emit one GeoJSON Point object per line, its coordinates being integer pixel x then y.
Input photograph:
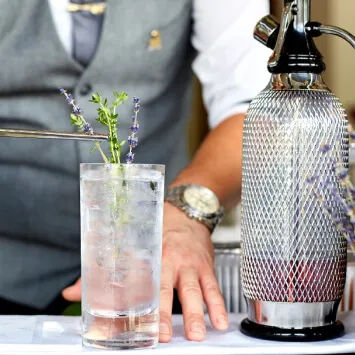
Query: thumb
{"type": "Point", "coordinates": [73, 292]}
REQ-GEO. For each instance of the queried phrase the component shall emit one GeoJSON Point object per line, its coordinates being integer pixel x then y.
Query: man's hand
{"type": "Point", "coordinates": [188, 266]}
{"type": "Point", "coordinates": [187, 248]}
{"type": "Point", "coordinates": [73, 292]}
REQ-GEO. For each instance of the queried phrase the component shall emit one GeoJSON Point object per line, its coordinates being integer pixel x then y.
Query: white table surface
{"type": "Point", "coordinates": [61, 335]}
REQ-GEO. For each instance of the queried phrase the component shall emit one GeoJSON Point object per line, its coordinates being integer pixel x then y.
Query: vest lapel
{"type": "Point", "coordinates": [56, 40]}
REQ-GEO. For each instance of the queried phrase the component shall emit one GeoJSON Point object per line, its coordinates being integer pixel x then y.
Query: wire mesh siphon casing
{"type": "Point", "coordinates": [292, 249]}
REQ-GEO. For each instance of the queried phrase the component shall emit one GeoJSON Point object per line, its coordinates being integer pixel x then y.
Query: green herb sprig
{"type": "Point", "coordinates": [108, 117]}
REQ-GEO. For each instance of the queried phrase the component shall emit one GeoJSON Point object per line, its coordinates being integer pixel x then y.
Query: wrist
{"type": "Point", "coordinates": [179, 221]}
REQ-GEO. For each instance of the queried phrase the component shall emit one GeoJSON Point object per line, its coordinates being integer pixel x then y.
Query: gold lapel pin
{"type": "Point", "coordinates": [155, 42]}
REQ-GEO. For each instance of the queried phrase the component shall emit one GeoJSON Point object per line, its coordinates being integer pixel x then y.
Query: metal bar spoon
{"type": "Point", "coordinates": [25, 133]}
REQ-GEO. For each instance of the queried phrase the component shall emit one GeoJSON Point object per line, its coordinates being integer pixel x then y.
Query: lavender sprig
{"type": "Point", "coordinates": [76, 117]}
{"type": "Point", "coordinates": [108, 117]}
{"type": "Point", "coordinates": [132, 138]}
{"type": "Point", "coordinates": [78, 120]}
{"type": "Point", "coordinates": [346, 226]}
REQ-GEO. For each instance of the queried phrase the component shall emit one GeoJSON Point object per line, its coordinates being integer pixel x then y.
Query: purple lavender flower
{"type": "Point", "coordinates": [326, 183]}
{"type": "Point", "coordinates": [312, 179]}
{"type": "Point", "coordinates": [134, 128]}
{"type": "Point", "coordinates": [132, 141]}
{"type": "Point", "coordinates": [335, 217]}
{"type": "Point", "coordinates": [326, 148]}
{"type": "Point", "coordinates": [349, 210]}
{"type": "Point", "coordinates": [87, 128]}
{"type": "Point", "coordinates": [342, 173]}
{"type": "Point", "coordinates": [77, 111]}
{"type": "Point", "coordinates": [129, 157]}
{"type": "Point", "coordinates": [137, 105]}
{"type": "Point", "coordinates": [335, 193]}
{"type": "Point", "coordinates": [69, 98]}
{"type": "Point", "coordinates": [352, 135]}
{"type": "Point", "coordinates": [342, 207]}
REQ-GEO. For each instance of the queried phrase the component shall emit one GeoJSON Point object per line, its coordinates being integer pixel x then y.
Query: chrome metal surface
{"type": "Point", "coordinates": [352, 154]}
{"type": "Point", "coordinates": [292, 315]}
{"type": "Point", "coordinates": [303, 10]}
{"type": "Point", "coordinates": [348, 301]}
{"type": "Point", "coordinates": [286, 19]}
{"type": "Point", "coordinates": [297, 81]}
{"type": "Point", "coordinates": [227, 247]}
{"type": "Point", "coordinates": [24, 133]}
{"type": "Point", "coordinates": [292, 250]}
{"type": "Point", "coordinates": [265, 29]}
{"type": "Point", "coordinates": [227, 269]}
{"type": "Point", "coordinates": [333, 30]}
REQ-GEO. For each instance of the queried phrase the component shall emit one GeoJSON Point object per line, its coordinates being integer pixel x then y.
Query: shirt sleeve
{"type": "Point", "coordinates": [231, 65]}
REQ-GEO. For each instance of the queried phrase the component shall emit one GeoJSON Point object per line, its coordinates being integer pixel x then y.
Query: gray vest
{"type": "Point", "coordinates": [39, 179]}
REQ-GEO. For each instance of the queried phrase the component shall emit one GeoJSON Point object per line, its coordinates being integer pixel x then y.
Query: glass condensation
{"type": "Point", "coordinates": [292, 250]}
{"type": "Point", "coordinates": [121, 236]}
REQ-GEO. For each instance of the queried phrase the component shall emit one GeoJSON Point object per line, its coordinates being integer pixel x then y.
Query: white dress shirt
{"type": "Point", "coordinates": [230, 64]}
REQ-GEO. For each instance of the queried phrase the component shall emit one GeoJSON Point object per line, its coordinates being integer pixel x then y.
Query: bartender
{"type": "Point", "coordinates": [149, 49]}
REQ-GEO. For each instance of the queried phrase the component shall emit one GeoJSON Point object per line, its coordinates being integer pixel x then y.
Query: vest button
{"type": "Point", "coordinates": [85, 89]}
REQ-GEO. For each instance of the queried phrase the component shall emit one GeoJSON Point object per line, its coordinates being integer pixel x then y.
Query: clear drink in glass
{"type": "Point", "coordinates": [121, 236]}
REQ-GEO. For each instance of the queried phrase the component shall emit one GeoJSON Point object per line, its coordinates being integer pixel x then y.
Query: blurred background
{"type": "Point", "coordinates": [339, 76]}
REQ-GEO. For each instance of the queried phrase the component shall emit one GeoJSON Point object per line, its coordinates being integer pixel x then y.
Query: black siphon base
{"type": "Point", "coordinates": [255, 330]}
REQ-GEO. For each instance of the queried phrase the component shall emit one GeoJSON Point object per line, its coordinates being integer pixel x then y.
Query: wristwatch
{"type": "Point", "coordinates": [198, 202]}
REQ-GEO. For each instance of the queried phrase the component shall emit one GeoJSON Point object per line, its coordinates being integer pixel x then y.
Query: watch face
{"type": "Point", "coordinates": [201, 199]}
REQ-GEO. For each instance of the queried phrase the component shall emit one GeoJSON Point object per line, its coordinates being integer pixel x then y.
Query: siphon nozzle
{"type": "Point", "coordinates": [292, 39]}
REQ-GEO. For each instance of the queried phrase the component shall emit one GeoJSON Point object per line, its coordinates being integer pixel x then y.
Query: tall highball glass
{"type": "Point", "coordinates": [121, 237]}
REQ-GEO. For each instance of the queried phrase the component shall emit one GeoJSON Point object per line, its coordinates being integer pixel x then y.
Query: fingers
{"type": "Point", "coordinates": [73, 293]}
{"type": "Point", "coordinates": [190, 296]}
{"type": "Point", "coordinates": [166, 301]}
{"type": "Point", "coordinates": [214, 301]}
